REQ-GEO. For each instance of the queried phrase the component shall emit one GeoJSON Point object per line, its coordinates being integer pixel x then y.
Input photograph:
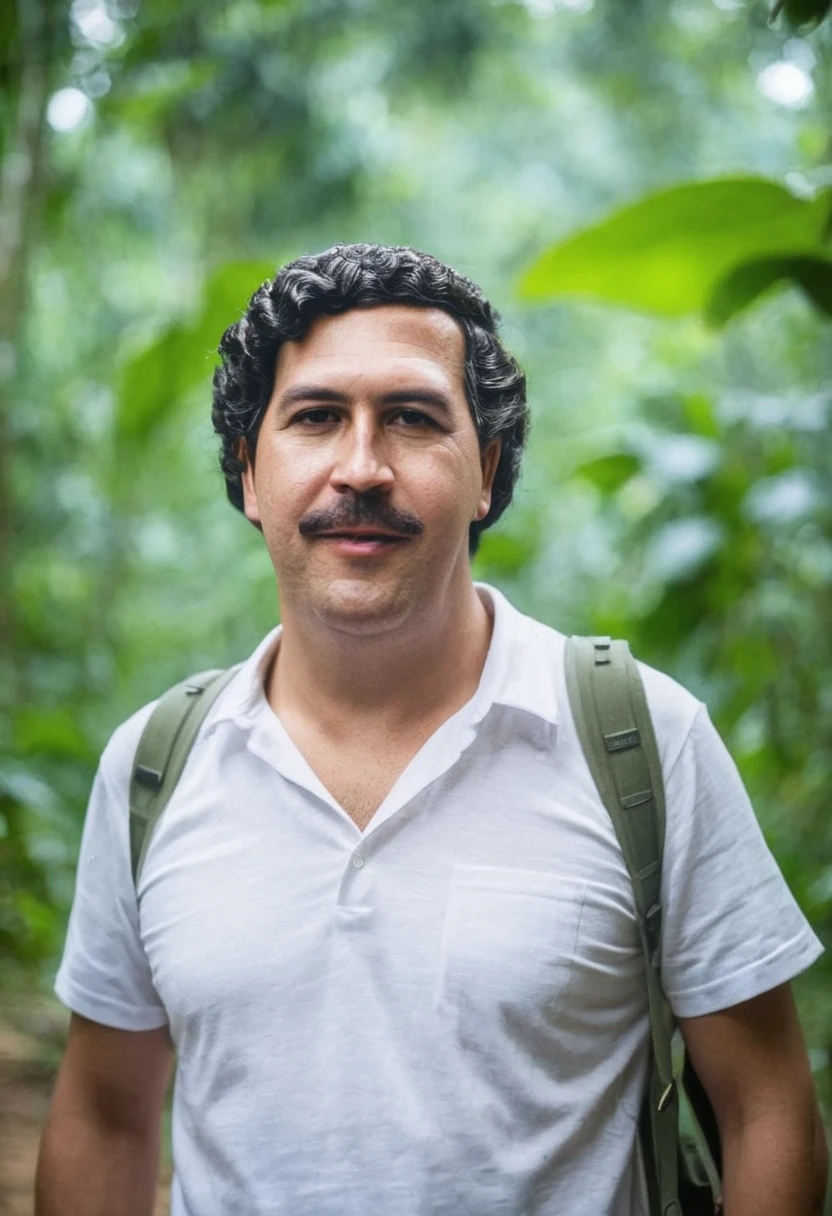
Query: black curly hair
{"type": "Point", "coordinates": [356, 276]}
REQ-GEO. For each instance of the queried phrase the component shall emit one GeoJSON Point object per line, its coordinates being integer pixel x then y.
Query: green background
{"type": "Point", "coordinates": [643, 190]}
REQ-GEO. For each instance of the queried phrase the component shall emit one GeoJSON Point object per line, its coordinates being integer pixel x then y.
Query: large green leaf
{"type": "Point", "coordinates": [226, 297]}
{"type": "Point", "coordinates": [745, 283]}
{"type": "Point", "coordinates": [668, 253]}
{"type": "Point", "coordinates": [155, 380]}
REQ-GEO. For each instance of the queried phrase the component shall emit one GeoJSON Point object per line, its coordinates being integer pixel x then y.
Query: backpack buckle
{"type": "Point", "coordinates": [622, 740]}
{"type": "Point", "coordinates": [601, 646]}
{"type": "Point", "coordinates": [150, 778]}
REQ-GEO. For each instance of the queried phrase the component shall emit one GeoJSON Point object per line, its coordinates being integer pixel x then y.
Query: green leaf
{"type": "Point", "coordinates": [227, 294]}
{"type": "Point", "coordinates": [26, 788]}
{"type": "Point", "coordinates": [51, 732]}
{"type": "Point", "coordinates": [39, 923]}
{"type": "Point", "coordinates": [701, 416]}
{"type": "Point", "coordinates": [153, 382]}
{"type": "Point", "coordinates": [802, 12]}
{"type": "Point", "coordinates": [609, 473]}
{"type": "Point", "coordinates": [744, 284]}
{"type": "Point", "coordinates": [666, 253]}
{"type": "Point", "coordinates": [501, 555]}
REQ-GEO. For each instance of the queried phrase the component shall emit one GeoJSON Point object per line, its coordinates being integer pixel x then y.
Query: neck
{"type": "Point", "coordinates": [427, 668]}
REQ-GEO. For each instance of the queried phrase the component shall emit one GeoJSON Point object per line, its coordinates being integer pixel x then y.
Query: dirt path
{"type": "Point", "coordinates": [25, 1085]}
{"type": "Point", "coordinates": [24, 1092]}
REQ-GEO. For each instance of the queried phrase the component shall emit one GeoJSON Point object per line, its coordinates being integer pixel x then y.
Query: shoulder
{"type": "Point", "coordinates": [675, 713]}
{"type": "Point", "coordinates": [119, 754]}
{"type": "Point", "coordinates": [117, 758]}
{"type": "Point", "coordinates": [674, 710]}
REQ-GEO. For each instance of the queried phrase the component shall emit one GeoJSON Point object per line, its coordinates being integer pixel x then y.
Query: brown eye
{"type": "Point", "coordinates": [414, 418]}
{"type": "Point", "coordinates": [315, 417]}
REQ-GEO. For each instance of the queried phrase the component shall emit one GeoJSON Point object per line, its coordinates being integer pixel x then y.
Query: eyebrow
{"type": "Point", "coordinates": [402, 396]}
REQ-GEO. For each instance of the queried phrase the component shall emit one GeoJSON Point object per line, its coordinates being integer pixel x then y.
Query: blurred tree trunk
{"type": "Point", "coordinates": [30, 44]}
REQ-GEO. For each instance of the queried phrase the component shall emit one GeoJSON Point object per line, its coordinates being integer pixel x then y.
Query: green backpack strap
{"type": "Point", "coordinates": [162, 752]}
{"type": "Point", "coordinates": [616, 733]}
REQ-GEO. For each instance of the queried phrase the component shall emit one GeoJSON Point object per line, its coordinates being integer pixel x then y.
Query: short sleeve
{"type": "Point", "coordinates": [104, 973]}
{"type": "Point", "coordinates": [731, 927]}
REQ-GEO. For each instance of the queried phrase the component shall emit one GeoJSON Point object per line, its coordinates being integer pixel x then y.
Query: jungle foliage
{"type": "Point", "coordinates": [645, 191]}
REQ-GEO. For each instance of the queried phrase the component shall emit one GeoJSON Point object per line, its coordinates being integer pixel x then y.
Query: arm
{"type": "Point", "coordinates": [99, 1154]}
{"type": "Point", "coordinates": [753, 1064]}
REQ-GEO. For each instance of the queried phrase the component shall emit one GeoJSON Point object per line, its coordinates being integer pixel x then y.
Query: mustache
{"type": "Point", "coordinates": [361, 511]}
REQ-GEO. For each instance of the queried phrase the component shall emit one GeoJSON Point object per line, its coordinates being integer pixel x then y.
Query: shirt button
{"type": "Point", "coordinates": [358, 861]}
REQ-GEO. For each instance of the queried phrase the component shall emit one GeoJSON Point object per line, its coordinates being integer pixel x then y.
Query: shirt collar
{"type": "Point", "coordinates": [519, 670]}
{"type": "Point", "coordinates": [245, 696]}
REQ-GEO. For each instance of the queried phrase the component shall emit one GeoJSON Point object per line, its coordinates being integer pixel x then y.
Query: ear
{"type": "Point", "coordinates": [489, 460]}
{"type": "Point", "coordinates": [250, 507]}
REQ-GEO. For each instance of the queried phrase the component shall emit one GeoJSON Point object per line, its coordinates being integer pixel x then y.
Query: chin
{"type": "Point", "coordinates": [355, 607]}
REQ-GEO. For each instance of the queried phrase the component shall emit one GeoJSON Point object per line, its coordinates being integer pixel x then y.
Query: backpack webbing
{"type": "Point", "coordinates": [163, 749]}
{"type": "Point", "coordinates": [616, 733]}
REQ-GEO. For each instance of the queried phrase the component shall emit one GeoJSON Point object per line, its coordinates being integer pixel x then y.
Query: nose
{"type": "Point", "coordinates": [362, 462]}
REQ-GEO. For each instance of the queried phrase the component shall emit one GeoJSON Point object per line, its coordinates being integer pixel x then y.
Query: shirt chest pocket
{"type": "Point", "coordinates": [509, 943]}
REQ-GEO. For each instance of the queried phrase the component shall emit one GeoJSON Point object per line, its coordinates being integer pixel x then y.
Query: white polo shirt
{"type": "Point", "coordinates": [446, 1013]}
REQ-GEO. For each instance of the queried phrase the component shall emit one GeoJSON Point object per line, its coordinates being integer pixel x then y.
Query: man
{"type": "Point", "coordinates": [384, 923]}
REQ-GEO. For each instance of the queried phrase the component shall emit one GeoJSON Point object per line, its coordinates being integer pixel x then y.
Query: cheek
{"type": "Point", "coordinates": [286, 487]}
{"type": "Point", "coordinates": [456, 479]}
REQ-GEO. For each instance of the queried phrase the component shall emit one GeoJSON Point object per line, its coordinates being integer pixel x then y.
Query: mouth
{"type": "Point", "coordinates": [361, 543]}
{"type": "Point", "coordinates": [357, 536]}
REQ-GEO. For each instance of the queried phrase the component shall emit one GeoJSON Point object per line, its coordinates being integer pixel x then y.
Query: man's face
{"type": "Point", "coordinates": [368, 470]}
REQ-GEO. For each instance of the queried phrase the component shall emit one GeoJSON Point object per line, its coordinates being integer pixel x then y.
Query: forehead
{"type": "Point", "coordinates": [388, 339]}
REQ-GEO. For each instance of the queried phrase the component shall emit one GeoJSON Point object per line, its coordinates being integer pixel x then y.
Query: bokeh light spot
{"type": "Point", "coordinates": [94, 23]}
{"type": "Point", "coordinates": [67, 109]}
{"type": "Point", "coordinates": [786, 83]}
